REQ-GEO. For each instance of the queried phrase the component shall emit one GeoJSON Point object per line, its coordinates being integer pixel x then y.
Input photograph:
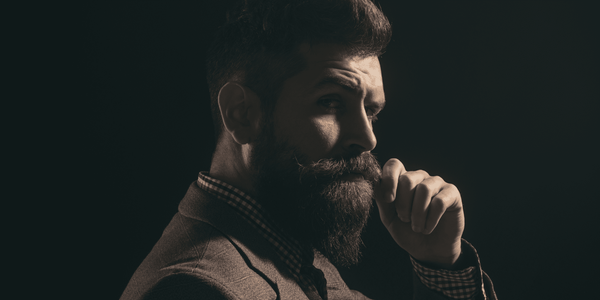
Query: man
{"type": "Point", "coordinates": [295, 88]}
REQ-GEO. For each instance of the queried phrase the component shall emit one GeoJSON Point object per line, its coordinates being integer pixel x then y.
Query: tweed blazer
{"type": "Point", "coordinates": [208, 251]}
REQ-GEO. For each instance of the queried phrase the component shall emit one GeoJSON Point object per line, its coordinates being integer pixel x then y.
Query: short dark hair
{"type": "Point", "coordinates": [258, 44]}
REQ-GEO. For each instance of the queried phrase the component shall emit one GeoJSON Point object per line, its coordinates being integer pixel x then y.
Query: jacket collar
{"type": "Point", "coordinates": [256, 250]}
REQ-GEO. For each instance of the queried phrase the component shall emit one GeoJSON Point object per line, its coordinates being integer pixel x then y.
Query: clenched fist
{"type": "Point", "coordinates": [423, 213]}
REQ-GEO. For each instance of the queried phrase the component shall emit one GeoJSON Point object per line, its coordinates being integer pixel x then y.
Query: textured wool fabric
{"type": "Point", "coordinates": [288, 249]}
{"type": "Point", "coordinates": [460, 284]}
{"type": "Point", "coordinates": [209, 251]}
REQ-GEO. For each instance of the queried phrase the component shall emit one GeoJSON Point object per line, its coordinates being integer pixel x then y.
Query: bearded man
{"type": "Point", "coordinates": [295, 88]}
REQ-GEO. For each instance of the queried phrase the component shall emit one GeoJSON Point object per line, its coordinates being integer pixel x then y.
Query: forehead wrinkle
{"type": "Point", "coordinates": [352, 85]}
{"type": "Point", "coordinates": [352, 81]}
{"type": "Point", "coordinates": [359, 75]}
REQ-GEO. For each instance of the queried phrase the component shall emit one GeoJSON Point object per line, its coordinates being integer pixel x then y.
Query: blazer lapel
{"type": "Point", "coordinates": [259, 254]}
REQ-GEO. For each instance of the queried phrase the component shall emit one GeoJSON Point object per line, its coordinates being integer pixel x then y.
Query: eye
{"type": "Point", "coordinates": [331, 102]}
{"type": "Point", "coordinates": [372, 114]}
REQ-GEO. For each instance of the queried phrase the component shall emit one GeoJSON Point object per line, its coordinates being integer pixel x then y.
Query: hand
{"type": "Point", "coordinates": [423, 213]}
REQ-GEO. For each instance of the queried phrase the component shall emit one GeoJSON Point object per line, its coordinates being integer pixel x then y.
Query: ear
{"type": "Point", "coordinates": [240, 111]}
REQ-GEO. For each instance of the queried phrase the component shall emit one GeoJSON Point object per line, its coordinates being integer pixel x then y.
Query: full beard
{"type": "Point", "coordinates": [313, 201]}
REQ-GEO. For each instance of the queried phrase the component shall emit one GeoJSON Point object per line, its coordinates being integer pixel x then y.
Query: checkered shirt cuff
{"type": "Point", "coordinates": [460, 284]}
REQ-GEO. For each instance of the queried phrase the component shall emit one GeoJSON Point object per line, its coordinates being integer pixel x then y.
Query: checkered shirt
{"type": "Point", "coordinates": [288, 249]}
{"type": "Point", "coordinates": [460, 284]}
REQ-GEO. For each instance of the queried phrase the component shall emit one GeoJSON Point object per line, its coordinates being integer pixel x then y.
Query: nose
{"type": "Point", "coordinates": [358, 133]}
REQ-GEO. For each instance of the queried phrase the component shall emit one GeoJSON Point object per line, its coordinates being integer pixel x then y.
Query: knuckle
{"type": "Point", "coordinates": [413, 178]}
{"type": "Point", "coordinates": [437, 178]}
{"type": "Point", "coordinates": [407, 180]}
{"type": "Point", "coordinates": [437, 202]}
{"type": "Point", "coordinates": [451, 187]}
{"type": "Point", "coordinates": [433, 181]}
{"type": "Point", "coordinates": [424, 188]}
{"type": "Point", "coordinates": [423, 172]}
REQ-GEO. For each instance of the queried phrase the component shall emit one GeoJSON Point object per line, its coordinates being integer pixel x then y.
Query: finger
{"type": "Point", "coordinates": [392, 169]}
{"type": "Point", "coordinates": [386, 191]}
{"type": "Point", "coordinates": [406, 191]}
{"type": "Point", "coordinates": [424, 191]}
{"type": "Point", "coordinates": [447, 199]}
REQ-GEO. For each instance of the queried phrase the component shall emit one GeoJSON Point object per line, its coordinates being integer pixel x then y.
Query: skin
{"type": "Point", "coordinates": [327, 110]}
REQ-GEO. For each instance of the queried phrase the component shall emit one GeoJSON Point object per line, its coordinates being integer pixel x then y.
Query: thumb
{"type": "Point", "coordinates": [385, 192]}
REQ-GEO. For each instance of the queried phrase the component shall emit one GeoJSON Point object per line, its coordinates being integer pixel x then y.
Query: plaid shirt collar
{"type": "Point", "coordinates": [288, 249]}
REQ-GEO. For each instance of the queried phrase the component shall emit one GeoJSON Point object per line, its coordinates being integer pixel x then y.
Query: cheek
{"type": "Point", "coordinates": [318, 137]}
{"type": "Point", "coordinates": [315, 135]}
{"type": "Point", "coordinates": [328, 131]}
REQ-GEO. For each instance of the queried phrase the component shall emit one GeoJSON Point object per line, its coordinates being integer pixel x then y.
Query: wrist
{"type": "Point", "coordinates": [454, 260]}
{"type": "Point", "coordinates": [446, 263]}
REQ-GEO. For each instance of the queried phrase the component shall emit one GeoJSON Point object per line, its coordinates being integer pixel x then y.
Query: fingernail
{"type": "Point", "coordinates": [415, 229]}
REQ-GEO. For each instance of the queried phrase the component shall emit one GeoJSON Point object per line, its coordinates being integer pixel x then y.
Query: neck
{"type": "Point", "coordinates": [230, 163]}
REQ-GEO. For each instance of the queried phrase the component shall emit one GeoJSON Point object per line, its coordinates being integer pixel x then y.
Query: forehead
{"type": "Point", "coordinates": [332, 61]}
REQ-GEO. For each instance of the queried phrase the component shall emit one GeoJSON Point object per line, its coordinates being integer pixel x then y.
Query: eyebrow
{"type": "Point", "coordinates": [346, 84]}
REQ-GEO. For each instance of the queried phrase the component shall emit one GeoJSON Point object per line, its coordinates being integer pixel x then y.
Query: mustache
{"type": "Point", "coordinates": [364, 164]}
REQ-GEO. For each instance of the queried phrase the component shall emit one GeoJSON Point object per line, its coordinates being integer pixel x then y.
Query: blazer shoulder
{"type": "Point", "coordinates": [193, 257]}
{"type": "Point", "coordinates": [184, 286]}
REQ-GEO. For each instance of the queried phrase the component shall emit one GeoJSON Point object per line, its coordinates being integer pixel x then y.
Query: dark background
{"type": "Point", "coordinates": [500, 99]}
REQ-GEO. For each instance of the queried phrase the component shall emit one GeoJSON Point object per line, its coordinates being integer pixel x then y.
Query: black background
{"type": "Point", "coordinates": [500, 99]}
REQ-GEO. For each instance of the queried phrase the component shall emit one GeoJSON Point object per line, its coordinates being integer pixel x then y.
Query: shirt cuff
{"type": "Point", "coordinates": [454, 284]}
